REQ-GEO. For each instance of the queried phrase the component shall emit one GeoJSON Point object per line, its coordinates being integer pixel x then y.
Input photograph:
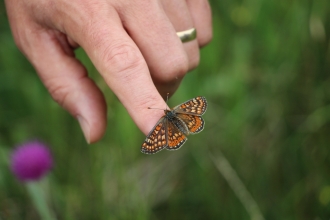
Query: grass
{"type": "Point", "coordinates": [266, 78]}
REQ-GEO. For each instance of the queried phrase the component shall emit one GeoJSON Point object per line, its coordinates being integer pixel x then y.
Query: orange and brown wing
{"type": "Point", "coordinates": [194, 123]}
{"type": "Point", "coordinates": [195, 106]}
{"type": "Point", "coordinates": [156, 139]}
{"type": "Point", "coordinates": [175, 137]}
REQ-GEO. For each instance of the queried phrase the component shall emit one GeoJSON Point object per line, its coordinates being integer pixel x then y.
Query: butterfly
{"type": "Point", "coordinates": [172, 129]}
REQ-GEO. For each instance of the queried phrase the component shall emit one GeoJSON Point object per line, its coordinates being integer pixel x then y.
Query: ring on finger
{"type": "Point", "coordinates": [187, 35]}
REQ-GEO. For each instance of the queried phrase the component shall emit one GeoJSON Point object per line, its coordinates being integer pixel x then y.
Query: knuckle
{"type": "Point", "coordinates": [174, 68]}
{"type": "Point", "coordinates": [122, 57]}
{"type": "Point", "coordinates": [58, 91]}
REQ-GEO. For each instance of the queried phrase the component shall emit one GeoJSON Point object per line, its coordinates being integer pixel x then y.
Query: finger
{"type": "Point", "coordinates": [202, 17]}
{"type": "Point", "coordinates": [179, 15]}
{"type": "Point", "coordinates": [67, 81]}
{"type": "Point", "coordinates": [156, 37]}
{"type": "Point", "coordinates": [122, 66]}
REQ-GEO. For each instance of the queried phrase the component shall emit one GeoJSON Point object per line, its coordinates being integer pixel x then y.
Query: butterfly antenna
{"type": "Point", "coordinates": [165, 106]}
{"type": "Point", "coordinates": [167, 99]}
{"type": "Point", "coordinates": [155, 108]}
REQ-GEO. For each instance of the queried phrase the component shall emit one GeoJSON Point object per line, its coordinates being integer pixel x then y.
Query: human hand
{"type": "Point", "coordinates": [133, 45]}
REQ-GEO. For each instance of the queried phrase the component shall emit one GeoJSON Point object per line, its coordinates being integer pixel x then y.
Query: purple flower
{"type": "Point", "coordinates": [31, 161]}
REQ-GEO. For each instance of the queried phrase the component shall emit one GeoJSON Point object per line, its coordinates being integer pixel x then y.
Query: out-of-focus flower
{"type": "Point", "coordinates": [31, 161]}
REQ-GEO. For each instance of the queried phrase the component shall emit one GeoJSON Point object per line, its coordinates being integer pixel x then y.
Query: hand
{"type": "Point", "coordinates": [133, 44]}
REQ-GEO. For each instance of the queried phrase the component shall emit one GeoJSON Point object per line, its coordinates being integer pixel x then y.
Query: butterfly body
{"type": "Point", "coordinates": [173, 118]}
{"type": "Point", "coordinates": [171, 130]}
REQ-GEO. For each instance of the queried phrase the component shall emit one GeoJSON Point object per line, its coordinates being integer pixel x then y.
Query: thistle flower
{"type": "Point", "coordinates": [31, 161]}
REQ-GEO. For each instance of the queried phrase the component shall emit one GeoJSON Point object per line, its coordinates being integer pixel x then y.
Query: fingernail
{"type": "Point", "coordinates": [85, 127]}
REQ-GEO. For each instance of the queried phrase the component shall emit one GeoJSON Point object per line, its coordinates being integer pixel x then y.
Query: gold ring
{"type": "Point", "coordinates": [187, 35]}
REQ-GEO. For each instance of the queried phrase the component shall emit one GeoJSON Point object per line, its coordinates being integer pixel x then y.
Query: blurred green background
{"type": "Point", "coordinates": [264, 153]}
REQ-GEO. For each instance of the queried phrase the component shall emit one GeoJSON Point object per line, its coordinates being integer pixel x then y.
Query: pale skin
{"type": "Point", "coordinates": [133, 45]}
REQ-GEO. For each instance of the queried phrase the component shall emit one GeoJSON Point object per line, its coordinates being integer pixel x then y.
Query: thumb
{"type": "Point", "coordinates": [67, 81]}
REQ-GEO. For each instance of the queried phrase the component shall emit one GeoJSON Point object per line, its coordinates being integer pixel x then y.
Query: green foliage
{"type": "Point", "coordinates": [266, 76]}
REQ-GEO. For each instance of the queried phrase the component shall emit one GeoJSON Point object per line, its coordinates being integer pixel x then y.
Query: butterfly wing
{"type": "Point", "coordinates": [175, 137]}
{"type": "Point", "coordinates": [195, 106]}
{"type": "Point", "coordinates": [156, 139]}
{"type": "Point", "coordinates": [190, 111]}
{"type": "Point", "coordinates": [194, 123]}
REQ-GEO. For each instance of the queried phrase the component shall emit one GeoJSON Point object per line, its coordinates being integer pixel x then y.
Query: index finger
{"type": "Point", "coordinates": [123, 67]}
